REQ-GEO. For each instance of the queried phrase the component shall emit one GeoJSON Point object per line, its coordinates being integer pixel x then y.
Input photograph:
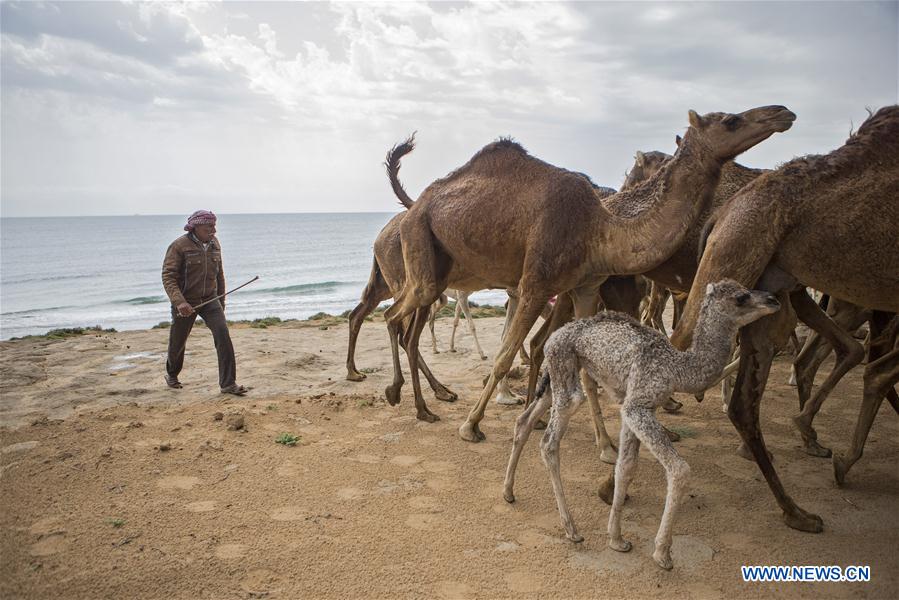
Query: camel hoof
{"type": "Point", "coordinates": [445, 395]}
{"type": "Point", "coordinates": [427, 416]}
{"type": "Point", "coordinates": [508, 400]}
{"type": "Point", "coordinates": [483, 357]}
{"type": "Point", "coordinates": [672, 435]}
{"type": "Point", "coordinates": [576, 538]}
{"type": "Point", "coordinates": [813, 448]}
{"type": "Point", "coordinates": [470, 432]}
{"type": "Point", "coordinates": [452, 349]}
{"type": "Point", "coordinates": [672, 406]}
{"type": "Point", "coordinates": [392, 392]}
{"type": "Point", "coordinates": [355, 376]}
{"type": "Point", "coordinates": [540, 425]}
{"type": "Point", "coordinates": [620, 545]}
{"type": "Point", "coordinates": [509, 497]}
{"type": "Point", "coordinates": [804, 521]}
{"type": "Point", "coordinates": [663, 559]}
{"type": "Point", "coordinates": [607, 490]}
{"type": "Point", "coordinates": [840, 468]}
{"type": "Point", "coordinates": [608, 456]}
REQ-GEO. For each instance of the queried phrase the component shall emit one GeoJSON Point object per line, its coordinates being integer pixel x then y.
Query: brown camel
{"type": "Point", "coordinates": [387, 277]}
{"type": "Point", "coordinates": [828, 222]}
{"type": "Point", "coordinates": [676, 273]}
{"type": "Point", "coordinates": [559, 237]}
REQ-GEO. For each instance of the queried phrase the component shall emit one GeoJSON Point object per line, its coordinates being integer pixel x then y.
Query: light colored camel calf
{"type": "Point", "coordinates": [640, 368]}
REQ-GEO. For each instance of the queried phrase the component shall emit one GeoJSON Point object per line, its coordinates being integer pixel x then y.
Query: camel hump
{"type": "Point", "coordinates": [392, 163]}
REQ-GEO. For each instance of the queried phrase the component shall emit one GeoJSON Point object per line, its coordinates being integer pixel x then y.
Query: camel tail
{"type": "Point", "coordinates": [542, 385]}
{"type": "Point", "coordinates": [393, 169]}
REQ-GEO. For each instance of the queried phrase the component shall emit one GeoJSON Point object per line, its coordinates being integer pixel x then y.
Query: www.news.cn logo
{"type": "Point", "coordinates": [806, 573]}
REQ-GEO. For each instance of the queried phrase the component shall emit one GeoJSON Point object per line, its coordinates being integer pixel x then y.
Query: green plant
{"type": "Point", "coordinates": [288, 439]}
{"type": "Point", "coordinates": [264, 322]}
{"type": "Point", "coordinates": [684, 431]}
{"type": "Point", "coordinates": [117, 522]}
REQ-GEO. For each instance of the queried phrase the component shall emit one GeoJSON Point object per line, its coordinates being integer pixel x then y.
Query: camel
{"type": "Point", "coordinates": [461, 298]}
{"type": "Point", "coordinates": [640, 368]}
{"type": "Point", "coordinates": [559, 237]}
{"type": "Point", "coordinates": [829, 222]}
{"type": "Point", "coordinates": [387, 276]}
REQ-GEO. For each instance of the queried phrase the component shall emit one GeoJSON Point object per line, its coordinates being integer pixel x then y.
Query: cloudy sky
{"type": "Point", "coordinates": [124, 108]}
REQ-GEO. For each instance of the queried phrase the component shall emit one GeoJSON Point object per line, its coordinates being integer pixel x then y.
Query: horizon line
{"type": "Point", "coordinates": [310, 212]}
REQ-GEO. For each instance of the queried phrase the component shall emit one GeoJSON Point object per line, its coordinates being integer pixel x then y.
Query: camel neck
{"type": "Point", "coordinates": [663, 209]}
{"type": "Point", "coordinates": [708, 354]}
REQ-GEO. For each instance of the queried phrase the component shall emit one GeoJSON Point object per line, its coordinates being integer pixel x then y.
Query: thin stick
{"type": "Point", "coordinates": [225, 294]}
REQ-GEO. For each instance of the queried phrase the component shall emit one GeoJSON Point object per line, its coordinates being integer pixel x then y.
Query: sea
{"type": "Point", "coordinates": [59, 272]}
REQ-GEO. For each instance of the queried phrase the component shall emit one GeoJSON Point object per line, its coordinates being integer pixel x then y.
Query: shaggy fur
{"type": "Point", "coordinates": [639, 368]}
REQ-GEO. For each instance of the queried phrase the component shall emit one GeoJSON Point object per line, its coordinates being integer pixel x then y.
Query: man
{"type": "Point", "coordinates": [192, 274]}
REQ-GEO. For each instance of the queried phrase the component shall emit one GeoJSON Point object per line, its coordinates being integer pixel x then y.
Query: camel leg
{"type": "Point", "coordinates": [524, 319]}
{"type": "Point", "coordinates": [524, 425]}
{"type": "Point", "coordinates": [375, 292]}
{"type": "Point", "coordinates": [628, 451]}
{"type": "Point", "coordinates": [566, 404]}
{"type": "Point", "coordinates": [418, 323]}
{"type": "Point", "coordinates": [441, 392]}
{"type": "Point", "coordinates": [849, 318]}
{"type": "Point", "coordinates": [849, 353]}
{"type": "Point", "coordinates": [586, 300]}
{"type": "Point", "coordinates": [881, 374]}
{"type": "Point", "coordinates": [463, 300]}
{"type": "Point", "coordinates": [642, 421]}
{"type": "Point", "coordinates": [562, 312]}
{"type": "Point", "coordinates": [392, 392]}
{"type": "Point", "coordinates": [756, 355]}
{"type": "Point", "coordinates": [457, 313]}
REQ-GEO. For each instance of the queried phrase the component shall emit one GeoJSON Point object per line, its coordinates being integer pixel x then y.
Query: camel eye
{"type": "Point", "coordinates": [742, 298]}
{"type": "Point", "coordinates": [731, 121]}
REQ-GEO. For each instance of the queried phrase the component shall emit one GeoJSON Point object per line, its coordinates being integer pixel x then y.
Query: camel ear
{"type": "Point", "coordinates": [677, 140]}
{"type": "Point", "coordinates": [641, 158]}
{"type": "Point", "coordinates": [695, 119]}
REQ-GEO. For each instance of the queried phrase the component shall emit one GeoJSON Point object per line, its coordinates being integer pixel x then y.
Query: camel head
{"type": "Point", "coordinates": [730, 301]}
{"type": "Point", "coordinates": [646, 164]}
{"type": "Point", "coordinates": [726, 135]}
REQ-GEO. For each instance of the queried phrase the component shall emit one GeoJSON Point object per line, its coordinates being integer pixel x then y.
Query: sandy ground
{"type": "Point", "coordinates": [115, 486]}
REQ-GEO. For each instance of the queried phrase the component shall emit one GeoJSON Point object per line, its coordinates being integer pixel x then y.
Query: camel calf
{"type": "Point", "coordinates": [641, 369]}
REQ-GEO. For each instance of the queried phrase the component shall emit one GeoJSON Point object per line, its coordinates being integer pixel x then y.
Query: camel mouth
{"type": "Point", "coordinates": [782, 121]}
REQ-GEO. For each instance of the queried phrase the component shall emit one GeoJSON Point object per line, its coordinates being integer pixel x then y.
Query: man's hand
{"type": "Point", "coordinates": [185, 309]}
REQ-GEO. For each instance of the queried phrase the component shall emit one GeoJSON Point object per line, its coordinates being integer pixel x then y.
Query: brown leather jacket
{"type": "Point", "coordinates": [192, 274]}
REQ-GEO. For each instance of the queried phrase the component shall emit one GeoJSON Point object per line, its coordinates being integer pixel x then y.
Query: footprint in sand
{"type": "Point", "coordinates": [534, 539]}
{"type": "Point", "coordinates": [608, 562]}
{"type": "Point", "coordinates": [423, 522]}
{"type": "Point", "coordinates": [439, 466]}
{"type": "Point", "coordinates": [230, 551]}
{"type": "Point", "coordinates": [426, 503]}
{"type": "Point", "coordinates": [454, 590]}
{"type": "Point", "coordinates": [202, 506]}
{"type": "Point", "coordinates": [260, 582]}
{"type": "Point", "coordinates": [178, 482]}
{"type": "Point", "coordinates": [51, 544]}
{"type": "Point", "coordinates": [442, 484]}
{"type": "Point", "coordinates": [405, 461]}
{"type": "Point", "coordinates": [369, 459]}
{"type": "Point", "coordinates": [523, 581]}
{"type": "Point", "coordinates": [51, 537]}
{"type": "Point", "coordinates": [289, 513]}
{"type": "Point", "coordinates": [349, 493]}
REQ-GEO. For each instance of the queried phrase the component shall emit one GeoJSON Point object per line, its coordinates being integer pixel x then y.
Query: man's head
{"type": "Point", "coordinates": [202, 224]}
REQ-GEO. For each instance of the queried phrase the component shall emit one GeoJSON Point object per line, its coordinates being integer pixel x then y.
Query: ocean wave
{"type": "Point", "coordinates": [143, 300]}
{"type": "Point", "coordinates": [33, 310]}
{"type": "Point", "coordinates": [307, 288]}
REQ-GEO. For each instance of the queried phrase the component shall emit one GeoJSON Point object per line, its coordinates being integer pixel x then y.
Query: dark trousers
{"type": "Point", "coordinates": [214, 317]}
